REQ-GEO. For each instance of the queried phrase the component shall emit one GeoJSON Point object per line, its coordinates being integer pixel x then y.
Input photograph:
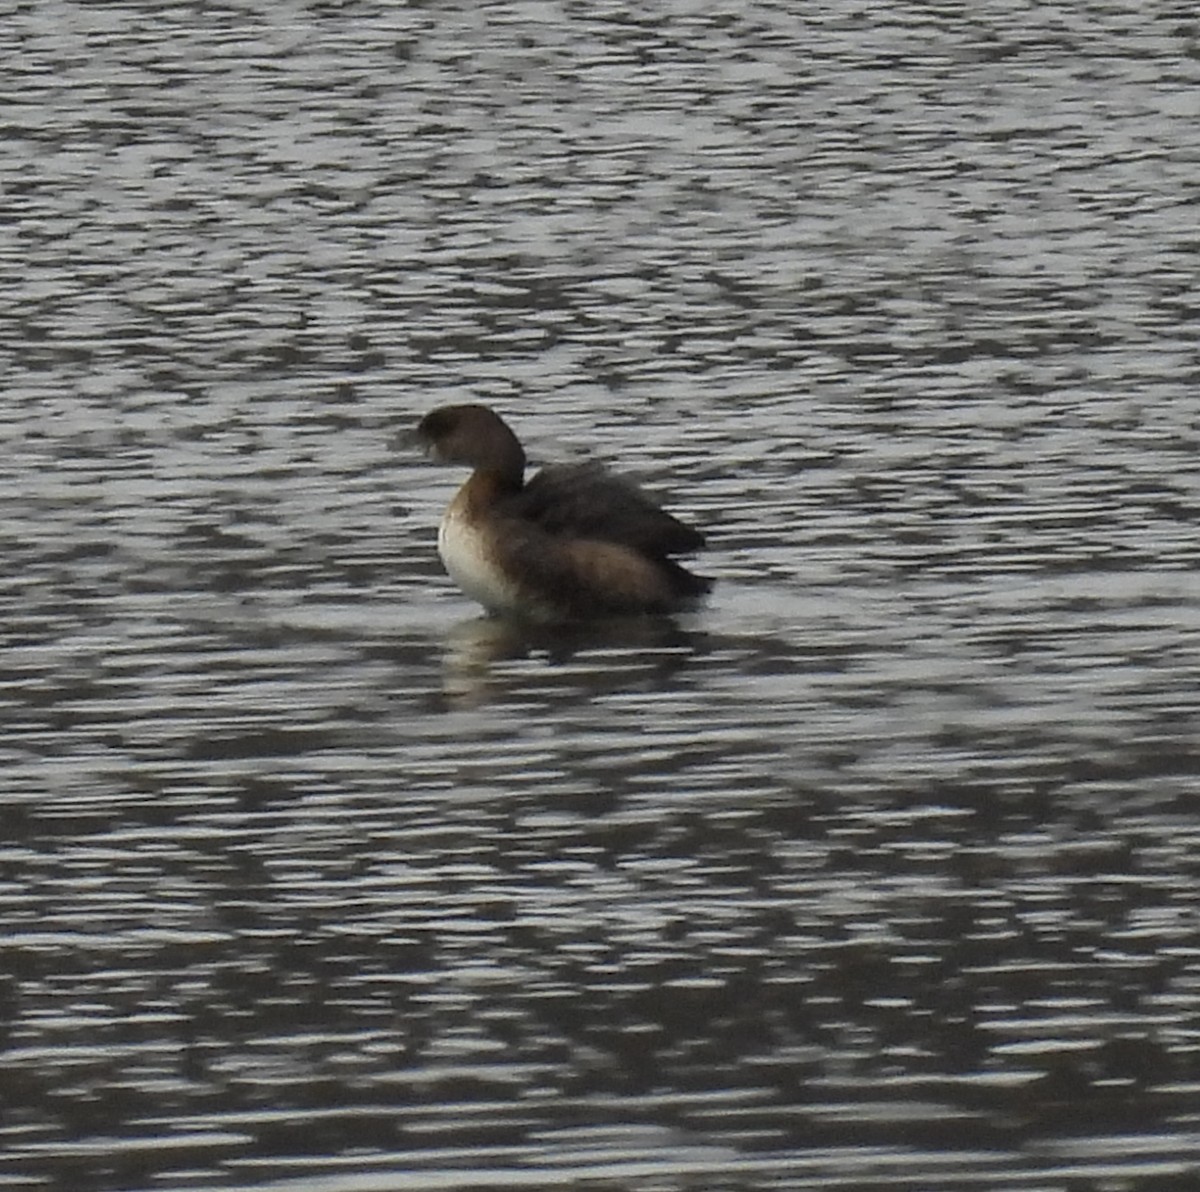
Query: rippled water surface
{"type": "Point", "coordinates": [877, 872]}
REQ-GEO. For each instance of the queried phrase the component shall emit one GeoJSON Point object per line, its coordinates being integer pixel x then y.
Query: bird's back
{"type": "Point", "coordinates": [588, 501]}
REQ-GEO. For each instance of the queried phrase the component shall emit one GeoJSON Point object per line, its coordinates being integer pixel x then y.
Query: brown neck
{"type": "Point", "coordinates": [486, 486]}
{"type": "Point", "coordinates": [506, 463]}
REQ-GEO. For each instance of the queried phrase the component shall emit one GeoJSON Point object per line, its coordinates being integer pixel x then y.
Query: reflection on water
{"type": "Point", "coordinates": [495, 662]}
{"type": "Point", "coordinates": [875, 872]}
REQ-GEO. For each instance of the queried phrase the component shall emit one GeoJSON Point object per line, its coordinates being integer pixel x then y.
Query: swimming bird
{"type": "Point", "coordinates": [574, 542]}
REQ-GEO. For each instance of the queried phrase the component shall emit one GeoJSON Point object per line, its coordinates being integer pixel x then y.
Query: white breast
{"type": "Point", "coordinates": [464, 551]}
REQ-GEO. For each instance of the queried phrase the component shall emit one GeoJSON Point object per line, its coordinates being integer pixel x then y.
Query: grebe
{"type": "Point", "coordinates": [574, 542]}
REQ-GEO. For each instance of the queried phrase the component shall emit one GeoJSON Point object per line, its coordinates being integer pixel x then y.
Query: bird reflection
{"type": "Point", "coordinates": [488, 659]}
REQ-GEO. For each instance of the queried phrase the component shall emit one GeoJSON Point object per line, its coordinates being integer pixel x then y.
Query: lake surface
{"type": "Point", "coordinates": [876, 872]}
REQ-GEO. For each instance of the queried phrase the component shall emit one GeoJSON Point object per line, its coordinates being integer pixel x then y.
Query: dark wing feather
{"type": "Point", "coordinates": [588, 501]}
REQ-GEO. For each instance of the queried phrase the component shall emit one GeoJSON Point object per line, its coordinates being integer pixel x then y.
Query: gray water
{"type": "Point", "coordinates": [877, 872]}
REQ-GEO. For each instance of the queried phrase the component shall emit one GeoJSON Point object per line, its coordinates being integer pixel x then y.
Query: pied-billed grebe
{"type": "Point", "coordinates": [576, 541]}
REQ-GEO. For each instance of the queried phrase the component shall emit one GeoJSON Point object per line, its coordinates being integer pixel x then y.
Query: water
{"type": "Point", "coordinates": [876, 873]}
